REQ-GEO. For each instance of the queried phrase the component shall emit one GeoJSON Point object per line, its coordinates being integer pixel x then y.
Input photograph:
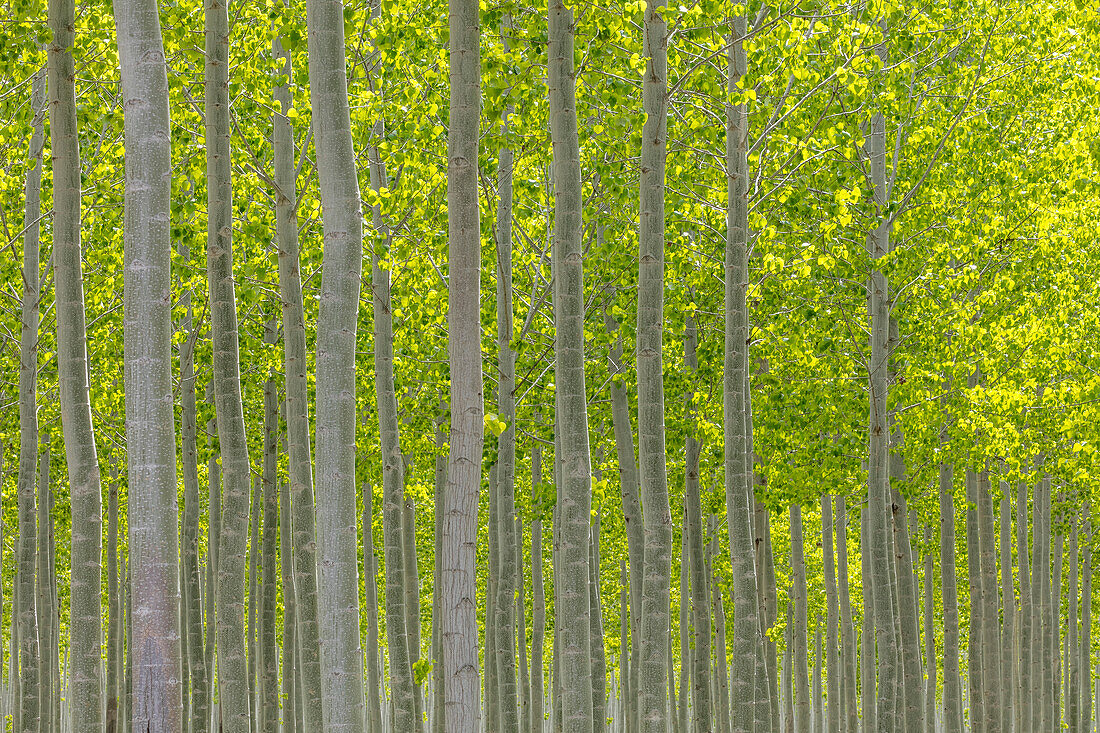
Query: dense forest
{"type": "Point", "coordinates": [418, 367]}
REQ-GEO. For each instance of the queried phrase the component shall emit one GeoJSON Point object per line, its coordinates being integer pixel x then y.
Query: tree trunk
{"type": "Point", "coordinates": [252, 648]}
{"type": "Point", "coordinates": [398, 634]}
{"type": "Point", "coordinates": [189, 527]}
{"type": "Point", "coordinates": [85, 626]}
{"type": "Point", "coordinates": [269, 649]}
{"type": "Point", "coordinates": [48, 681]}
{"type": "Point", "coordinates": [993, 704]}
{"type": "Point", "coordinates": [799, 636]}
{"type": "Point", "coordinates": [632, 511]}
{"type": "Point", "coordinates": [952, 682]}
{"type": "Point", "coordinates": [29, 650]}
{"type": "Point", "coordinates": [538, 601]}
{"type": "Point", "coordinates": [1073, 654]}
{"type": "Point", "coordinates": [233, 673]}
{"type": "Point", "coordinates": [720, 662]}
{"type": "Point", "coordinates": [297, 407]}
{"type": "Point", "coordinates": [599, 653]}
{"type": "Point", "coordinates": [114, 622]}
{"type": "Point", "coordinates": [460, 637]}
{"type": "Point", "coordinates": [342, 694]}
{"type": "Point", "coordinates": [290, 614]}
{"type": "Point", "coordinates": [150, 423]}
{"type": "Point", "coordinates": [370, 582]}
{"type": "Point", "coordinates": [908, 606]}
{"type": "Point", "coordinates": [572, 606]}
{"type": "Point", "coordinates": [504, 603]}
{"type": "Point", "coordinates": [1007, 608]}
{"type": "Point", "coordinates": [213, 475]}
{"type": "Point", "coordinates": [929, 637]}
{"type": "Point", "coordinates": [1026, 662]}
{"type": "Point", "coordinates": [832, 662]}
{"type": "Point", "coordinates": [440, 477]}
{"type": "Point", "coordinates": [847, 626]}
{"type": "Point", "coordinates": [1085, 652]}
{"type": "Point", "coordinates": [656, 513]}
{"type": "Point", "coordinates": [693, 527]}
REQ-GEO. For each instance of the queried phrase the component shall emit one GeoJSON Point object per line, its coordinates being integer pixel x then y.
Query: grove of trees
{"type": "Point", "coordinates": [376, 366]}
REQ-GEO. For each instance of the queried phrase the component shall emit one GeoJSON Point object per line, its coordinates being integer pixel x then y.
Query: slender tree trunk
{"type": "Point", "coordinates": [85, 624]}
{"type": "Point", "coordinates": [460, 638]}
{"type": "Point", "coordinates": [538, 602]}
{"type": "Point", "coordinates": [438, 716]}
{"type": "Point", "coordinates": [685, 640]}
{"type": "Point", "coordinates": [818, 692]}
{"type": "Point", "coordinates": [867, 631]}
{"type": "Point", "coordinates": [297, 407]}
{"type": "Point", "coordinates": [952, 682]}
{"type": "Point", "coordinates": [975, 663]}
{"type": "Point", "coordinates": [1007, 608]}
{"type": "Point", "coordinates": [994, 703]}
{"type": "Point", "coordinates": [370, 582]}
{"type": "Point", "coordinates": [1073, 655]}
{"type": "Point", "coordinates": [114, 622]}
{"type": "Point", "coordinates": [521, 640]}
{"type": "Point", "coordinates": [233, 672]}
{"type": "Point", "coordinates": [572, 606]}
{"type": "Point", "coordinates": [799, 636]}
{"type": "Point", "coordinates": [832, 659]}
{"type": "Point", "coordinates": [342, 693]}
{"type": "Point", "coordinates": [504, 603]}
{"type": "Point", "coordinates": [150, 427]}
{"type": "Point", "coordinates": [693, 527]}
{"type": "Point", "coordinates": [599, 653]}
{"type": "Point", "coordinates": [1084, 660]}
{"type": "Point", "coordinates": [908, 607]}
{"type": "Point", "coordinates": [849, 722]}
{"type": "Point", "coordinates": [1054, 655]}
{"type": "Point", "coordinates": [1040, 585]}
{"type": "Point", "coordinates": [720, 662]}
{"type": "Point", "coordinates": [192, 626]}
{"type": "Point", "coordinates": [393, 468]}
{"type": "Point", "coordinates": [48, 682]}
{"type": "Point", "coordinates": [1026, 663]}
{"type": "Point", "coordinates": [213, 474]}
{"type": "Point", "coordinates": [252, 647]}
{"type": "Point", "coordinates": [656, 513]}
{"type": "Point", "coordinates": [269, 649]}
{"type": "Point", "coordinates": [748, 644]}
{"type": "Point", "coordinates": [929, 636]}
{"type": "Point", "coordinates": [290, 613]}
{"type": "Point", "coordinates": [29, 656]}
{"type": "Point", "coordinates": [632, 511]}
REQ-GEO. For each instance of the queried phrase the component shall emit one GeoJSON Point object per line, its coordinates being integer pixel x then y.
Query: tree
{"type": "Point", "coordinates": [150, 424]}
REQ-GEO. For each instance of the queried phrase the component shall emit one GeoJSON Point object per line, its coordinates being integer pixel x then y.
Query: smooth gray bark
{"type": "Point", "coordinates": [832, 656]}
{"type": "Point", "coordinates": [370, 582]}
{"type": "Point", "coordinates": [799, 634]}
{"type": "Point", "coordinates": [342, 693]}
{"type": "Point", "coordinates": [504, 603]}
{"type": "Point", "coordinates": [269, 649]}
{"type": "Point", "coordinates": [48, 679]}
{"type": "Point", "coordinates": [290, 626]}
{"type": "Point", "coordinates": [574, 461]}
{"type": "Point", "coordinates": [1026, 663]}
{"type": "Point", "coordinates": [198, 712]}
{"type": "Point", "coordinates": [398, 633]}
{"type": "Point", "coordinates": [156, 704]}
{"type": "Point", "coordinates": [849, 720]}
{"type": "Point", "coordinates": [459, 580]}
{"type": "Point", "coordinates": [538, 602]}
{"type": "Point", "coordinates": [656, 512]}
{"type": "Point", "coordinates": [700, 586]}
{"type": "Point", "coordinates": [233, 672]}
{"type": "Point", "coordinates": [748, 692]}
{"type": "Point", "coordinates": [114, 620]}
{"type": "Point", "coordinates": [84, 697]}
{"type": "Point", "coordinates": [300, 466]}
{"type": "Point", "coordinates": [29, 712]}
{"type": "Point", "coordinates": [952, 682]}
